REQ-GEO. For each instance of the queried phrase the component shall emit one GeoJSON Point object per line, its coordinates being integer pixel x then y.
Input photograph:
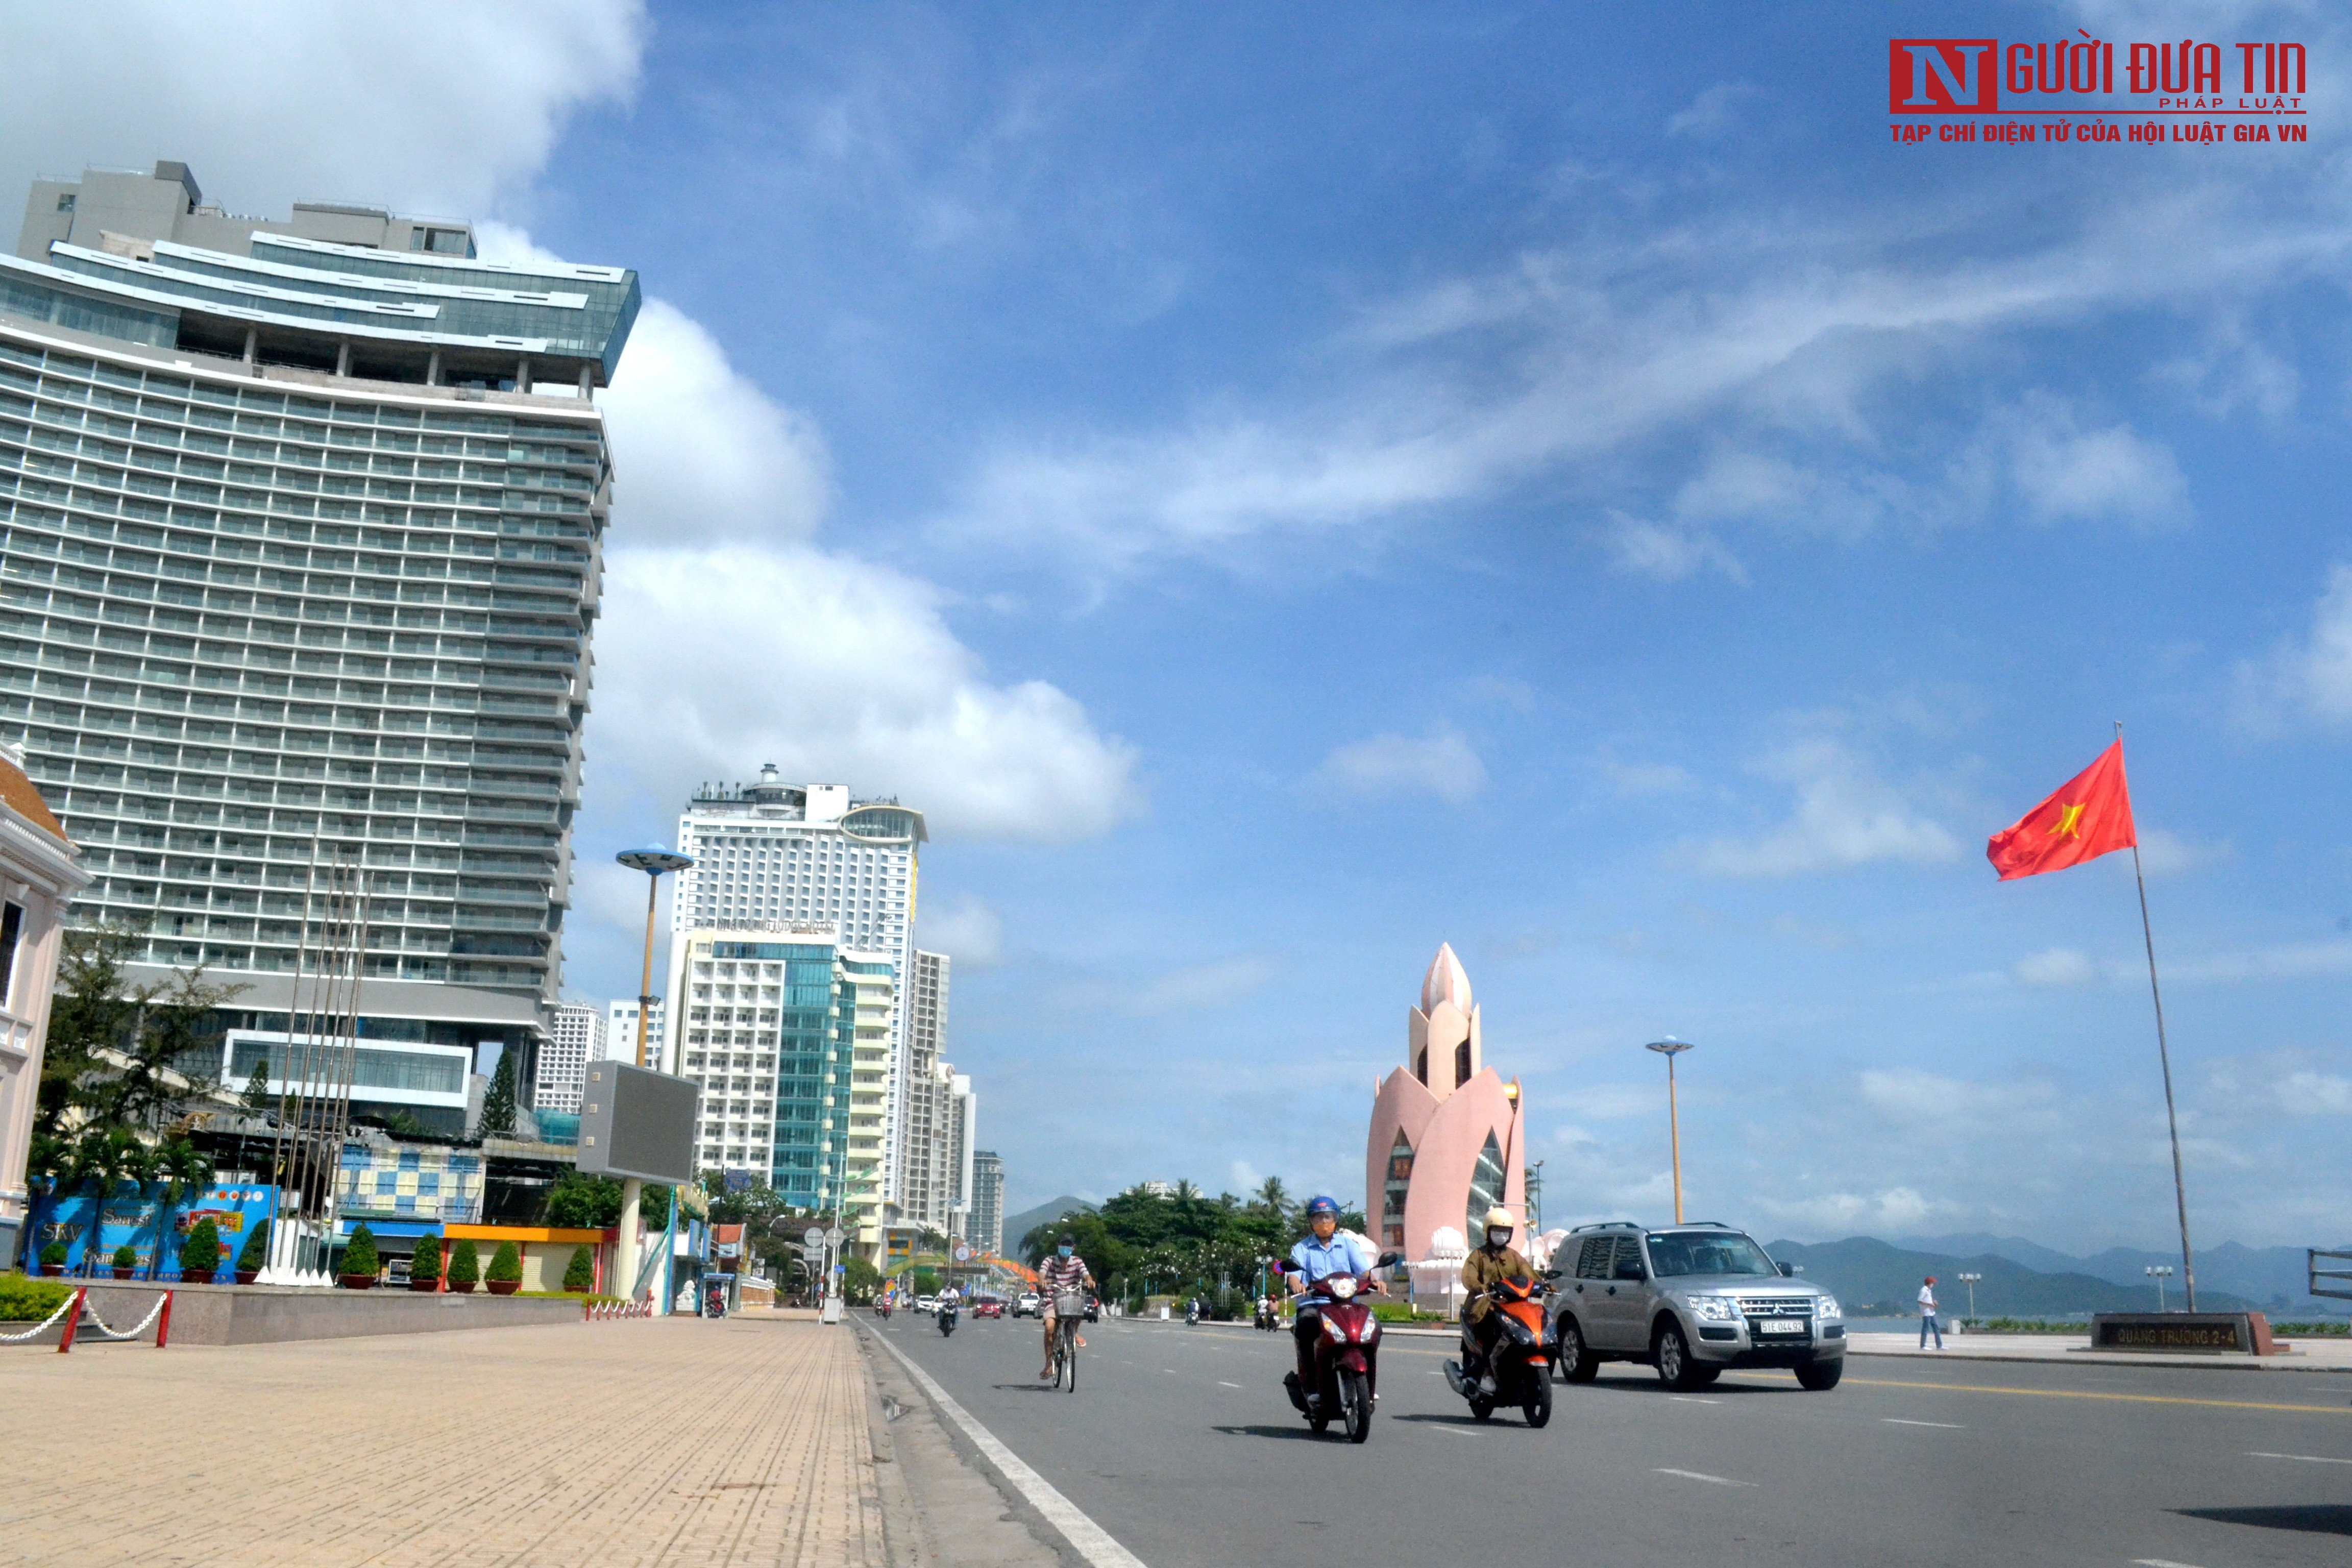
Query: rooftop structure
{"type": "Point", "coordinates": [1446, 1142]}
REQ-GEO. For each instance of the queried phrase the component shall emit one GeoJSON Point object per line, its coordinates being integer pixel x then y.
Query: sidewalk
{"type": "Point", "coordinates": [2331, 1353]}
{"type": "Point", "coordinates": [665, 1442]}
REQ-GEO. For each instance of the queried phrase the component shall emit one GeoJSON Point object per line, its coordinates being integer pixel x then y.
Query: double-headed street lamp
{"type": "Point", "coordinates": [2159, 1272]}
{"type": "Point", "coordinates": [1970, 1281]}
{"type": "Point", "coordinates": [1670, 1048]}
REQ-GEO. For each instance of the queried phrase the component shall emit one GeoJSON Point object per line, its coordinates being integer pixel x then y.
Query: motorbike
{"type": "Point", "coordinates": [1526, 1345]}
{"type": "Point", "coordinates": [882, 1309]}
{"type": "Point", "coordinates": [1347, 1352]}
{"type": "Point", "coordinates": [1267, 1318]}
{"type": "Point", "coordinates": [1191, 1313]}
{"type": "Point", "coordinates": [947, 1316]}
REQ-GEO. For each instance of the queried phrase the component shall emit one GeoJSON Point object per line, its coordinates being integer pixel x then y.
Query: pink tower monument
{"type": "Point", "coordinates": [1447, 1143]}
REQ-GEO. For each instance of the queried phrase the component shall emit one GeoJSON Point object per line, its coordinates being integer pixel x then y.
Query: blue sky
{"type": "Point", "coordinates": [1282, 491]}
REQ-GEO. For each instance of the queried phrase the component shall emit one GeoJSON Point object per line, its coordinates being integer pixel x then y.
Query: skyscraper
{"type": "Point", "coordinates": [787, 1033]}
{"type": "Point", "coordinates": [575, 1038]}
{"type": "Point", "coordinates": [801, 860]}
{"type": "Point", "coordinates": [987, 1224]}
{"type": "Point", "coordinates": [935, 1175]}
{"type": "Point", "coordinates": [301, 556]}
{"type": "Point", "coordinates": [621, 1031]}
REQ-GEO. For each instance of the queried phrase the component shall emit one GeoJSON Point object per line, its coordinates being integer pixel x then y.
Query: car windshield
{"type": "Point", "coordinates": [1679, 1252]}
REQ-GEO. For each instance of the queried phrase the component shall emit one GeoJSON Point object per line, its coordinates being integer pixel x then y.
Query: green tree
{"type": "Point", "coordinates": [200, 1253]}
{"type": "Point", "coordinates": [181, 1169]}
{"type": "Point", "coordinates": [360, 1255]}
{"type": "Point", "coordinates": [577, 1202]}
{"type": "Point", "coordinates": [860, 1279]}
{"type": "Point", "coordinates": [464, 1262]}
{"type": "Point", "coordinates": [424, 1263]}
{"type": "Point", "coordinates": [499, 1103]}
{"type": "Point", "coordinates": [260, 1097]}
{"type": "Point", "coordinates": [579, 1274]}
{"type": "Point", "coordinates": [255, 1252]}
{"type": "Point", "coordinates": [506, 1263]}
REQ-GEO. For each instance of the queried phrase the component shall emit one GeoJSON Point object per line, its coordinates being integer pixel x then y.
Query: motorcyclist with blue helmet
{"type": "Point", "coordinates": [1323, 1253]}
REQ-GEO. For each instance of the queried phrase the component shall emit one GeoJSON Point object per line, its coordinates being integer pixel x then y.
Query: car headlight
{"type": "Point", "coordinates": [1827, 1307]}
{"type": "Point", "coordinates": [1713, 1309]}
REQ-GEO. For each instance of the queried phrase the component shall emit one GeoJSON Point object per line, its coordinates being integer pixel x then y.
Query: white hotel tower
{"type": "Point", "coordinates": [771, 855]}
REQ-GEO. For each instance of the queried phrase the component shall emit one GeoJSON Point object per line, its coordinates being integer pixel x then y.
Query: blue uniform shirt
{"type": "Point", "coordinates": [1340, 1255]}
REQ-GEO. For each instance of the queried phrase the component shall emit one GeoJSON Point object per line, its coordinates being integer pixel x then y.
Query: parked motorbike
{"type": "Point", "coordinates": [947, 1315]}
{"type": "Point", "coordinates": [1347, 1352]}
{"type": "Point", "coordinates": [1518, 1372]}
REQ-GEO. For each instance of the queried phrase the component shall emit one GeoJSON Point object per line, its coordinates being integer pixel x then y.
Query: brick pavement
{"type": "Point", "coordinates": [672, 1442]}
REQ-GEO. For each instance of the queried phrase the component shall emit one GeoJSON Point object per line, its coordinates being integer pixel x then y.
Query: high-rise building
{"type": "Point", "coordinates": [787, 1033]}
{"type": "Point", "coordinates": [935, 1156]}
{"type": "Point", "coordinates": [301, 560]}
{"type": "Point", "coordinates": [620, 1032]}
{"type": "Point", "coordinates": [575, 1037]}
{"type": "Point", "coordinates": [790, 858]}
{"type": "Point", "coordinates": [986, 1229]}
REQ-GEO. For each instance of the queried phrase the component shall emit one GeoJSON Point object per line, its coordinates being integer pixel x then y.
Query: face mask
{"type": "Point", "coordinates": [1498, 1238]}
{"type": "Point", "coordinates": [1064, 1251]}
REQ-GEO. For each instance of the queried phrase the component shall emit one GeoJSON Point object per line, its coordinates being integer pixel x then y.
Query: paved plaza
{"type": "Point", "coordinates": [624, 1445]}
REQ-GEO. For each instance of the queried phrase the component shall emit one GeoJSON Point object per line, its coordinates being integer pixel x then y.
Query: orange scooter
{"type": "Point", "coordinates": [1526, 1344]}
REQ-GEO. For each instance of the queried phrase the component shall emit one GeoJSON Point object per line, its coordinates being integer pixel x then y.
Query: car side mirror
{"type": "Point", "coordinates": [1552, 1273]}
{"type": "Point", "coordinates": [1788, 1271]}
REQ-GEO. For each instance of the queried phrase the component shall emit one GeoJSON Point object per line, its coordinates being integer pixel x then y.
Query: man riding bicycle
{"type": "Point", "coordinates": [1065, 1273]}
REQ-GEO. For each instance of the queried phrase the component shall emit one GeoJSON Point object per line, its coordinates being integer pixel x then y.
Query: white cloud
{"type": "Point", "coordinates": [967, 931]}
{"type": "Point", "coordinates": [441, 106]}
{"type": "Point", "coordinates": [1440, 763]}
{"type": "Point", "coordinates": [2066, 473]}
{"type": "Point", "coordinates": [2316, 1094]}
{"type": "Point", "coordinates": [2167, 854]}
{"type": "Point", "coordinates": [1670, 554]}
{"type": "Point", "coordinates": [714, 660]}
{"type": "Point", "coordinates": [2056, 966]}
{"type": "Point", "coordinates": [1633, 781]}
{"type": "Point", "coordinates": [1846, 816]}
{"type": "Point", "coordinates": [1712, 110]}
{"type": "Point", "coordinates": [1195, 987]}
{"type": "Point", "coordinates": [2311, 675]}
{"type": "Point", "coordinates": [1918, 1098]}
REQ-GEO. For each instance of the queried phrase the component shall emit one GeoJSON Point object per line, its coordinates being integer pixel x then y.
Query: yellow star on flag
{"type": "Point", "coordinates": [2070, 822]}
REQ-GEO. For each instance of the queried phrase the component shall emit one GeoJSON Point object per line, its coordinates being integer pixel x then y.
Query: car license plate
{"type": "Point", "coordinates": [1782, 1325]}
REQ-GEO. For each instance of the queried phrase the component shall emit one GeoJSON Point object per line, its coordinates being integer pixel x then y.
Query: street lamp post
{"type": "Point", "coordinates": [653, 860]}
{"type": "Point", "coordinates": [2159, 1272]}
{"type": "Point", "coordinates": [1670, 1048]}
{"type": "Point", "coordinates": [1970, 1281]}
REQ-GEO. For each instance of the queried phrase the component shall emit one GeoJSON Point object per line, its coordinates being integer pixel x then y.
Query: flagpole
{"type": "Point", "coordinates": [2164, 1056]}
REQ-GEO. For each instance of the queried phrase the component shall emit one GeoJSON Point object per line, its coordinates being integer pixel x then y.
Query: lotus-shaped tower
{"type": "Point", "coordinates": [1446, 1142]}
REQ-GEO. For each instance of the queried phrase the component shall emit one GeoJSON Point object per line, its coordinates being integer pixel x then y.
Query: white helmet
{"type": "Point", "coordinates": [1499, 1218]}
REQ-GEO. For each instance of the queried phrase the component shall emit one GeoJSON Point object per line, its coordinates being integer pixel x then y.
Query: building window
{"type": "Point", "coordinates": [65, 203]}
{"type": "Point", "coordinates": [1485, 1190]}
{"type": "Point", "coordinates": [1462, 1064]}
{"type": "Point", "coordinates": [12, 925]}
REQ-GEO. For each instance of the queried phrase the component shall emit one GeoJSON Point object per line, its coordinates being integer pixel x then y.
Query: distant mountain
{"type": "Point", "coordinates": [1017, 1225]}
{"type": "Point", "coordinates": [1871, 1279]}
{"type": "Point", "coordinates": [2273, 1276]}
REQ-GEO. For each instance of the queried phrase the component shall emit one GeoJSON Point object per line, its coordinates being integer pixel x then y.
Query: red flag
{"type": "Point", "coordinates": [2090, 816]}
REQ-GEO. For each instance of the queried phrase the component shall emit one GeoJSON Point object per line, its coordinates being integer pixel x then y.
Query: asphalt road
{"type": "Point", "coordinates": [1181, 1443]}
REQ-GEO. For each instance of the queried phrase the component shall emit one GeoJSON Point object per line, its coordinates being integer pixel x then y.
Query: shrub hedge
{"type": "Point", "coordinates": [200, 1253]}
{"type": "Point", "coordinates": [464, 1262]}
{"type": "Point", "coordinates": [506, 1263]}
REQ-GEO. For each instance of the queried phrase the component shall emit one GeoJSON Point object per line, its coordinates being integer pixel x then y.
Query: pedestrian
{"type": "Point", "coordinates": [1927, 1324]}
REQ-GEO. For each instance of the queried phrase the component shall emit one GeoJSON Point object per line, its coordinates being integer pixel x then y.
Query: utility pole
{"type": "Point", "coordinates": [1670, 1048]}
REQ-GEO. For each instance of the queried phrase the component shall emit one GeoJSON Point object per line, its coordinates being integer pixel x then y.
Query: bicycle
{"type": "Point", "coordinates": [1068, 1310]}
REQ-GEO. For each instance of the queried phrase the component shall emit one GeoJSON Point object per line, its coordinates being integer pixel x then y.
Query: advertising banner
{"type": "Point", "coordinates": [129, 1218]}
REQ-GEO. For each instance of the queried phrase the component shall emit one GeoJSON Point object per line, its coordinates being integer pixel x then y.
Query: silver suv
{"type": "Point", "coordinates": [1689, 1300]}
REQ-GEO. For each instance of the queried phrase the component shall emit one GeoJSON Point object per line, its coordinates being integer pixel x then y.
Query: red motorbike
{"type": "Point", "coordinates": [1347, 1352]}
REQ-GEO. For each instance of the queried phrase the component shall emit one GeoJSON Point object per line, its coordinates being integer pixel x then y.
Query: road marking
{"type": "Point", "coordinates": [1222, 1384]}
{"type": "Point", "coordinates": [2160, 1562]}
{"type": "Point", "coordinates": [1946, 1425]}
{"type": "Point", "coordinates": [2301, 1458]}
{"type": "Point", "coordinates": [1692, 1399]}
{"type": "Point", "coordinates": [2083, 1393]}
{"type": "Point", "coordinates": [1092, 1540]}
{"type": "Point", "coordinates": [1702, 1476]}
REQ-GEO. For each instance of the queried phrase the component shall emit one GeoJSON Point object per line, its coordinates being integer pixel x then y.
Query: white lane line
{"type": "Point", "coordinates": [1946, 1425]}
{"type": "Point", "coordinates": [1222, 1384]}
{"type": "Point", "coordinates": [1092, 1540]}
{"type": "Point", "coordinates": [1702, 1476]}
{"type": "Point", "coordinates": [2301, 1458]}
{"type": "Point", "coordinates": [2160, 1562]}
{"type": "Point", "coordinates": [1692, 1399]}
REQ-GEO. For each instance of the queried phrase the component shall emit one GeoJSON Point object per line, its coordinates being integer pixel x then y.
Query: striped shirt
{"type": "Point", "coordinates": [1059, 1275]}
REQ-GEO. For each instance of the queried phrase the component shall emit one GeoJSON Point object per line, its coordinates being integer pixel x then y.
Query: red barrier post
{"type": "Point", "coordinates": [163, 1323]}
{"type": "Point", "coordinates": [73, 1320]}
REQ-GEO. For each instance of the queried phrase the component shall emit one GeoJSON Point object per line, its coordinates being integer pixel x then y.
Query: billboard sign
{"type": "Point", "coordinates": [637, 1123]}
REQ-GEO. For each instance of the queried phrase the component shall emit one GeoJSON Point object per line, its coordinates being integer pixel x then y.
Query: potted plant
{"type": "Point", "coordinates": [253, 1256]}
{"type": "Point", "coordinates": [200, 1254]}
{"type": "Point", "coordinates": [424, 1264]}
{"type": "Point", "coordinates": [360, 1265]}
{"type": "Point", "coordinates": [465, 1266]}
{"type": "Point", "coordinates": [126, 1261]}
{"type": "Point", "coordinates": [505, 1275]}
{"type": "Point", "coordinates": [579, 1274]}
{"type": "Point", "coordinates": [53, 1258]}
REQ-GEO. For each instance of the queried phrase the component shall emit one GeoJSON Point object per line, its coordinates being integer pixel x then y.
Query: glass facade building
{"type": "Point", "coordinates": [298, 561]}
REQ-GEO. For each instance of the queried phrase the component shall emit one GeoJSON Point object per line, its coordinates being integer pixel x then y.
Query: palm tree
{"type": "Point", "coordinates": [180, 1169]}
{"type": "Point", "coordinates": [105, 1158]}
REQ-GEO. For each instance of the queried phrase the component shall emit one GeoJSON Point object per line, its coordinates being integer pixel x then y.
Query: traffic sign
{"type": "Point", "coordinates": [813, 1237]}
{"type": "Point", "coordinates": [833, 1235]}
{"type": "Point", "coordinates": [963, 1255]}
